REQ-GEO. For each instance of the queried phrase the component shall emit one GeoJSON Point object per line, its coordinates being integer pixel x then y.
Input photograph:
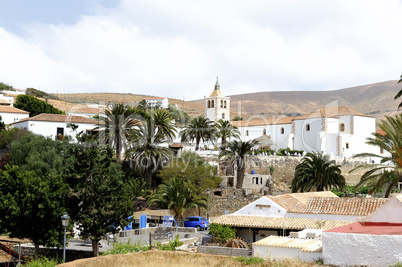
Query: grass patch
{"type": "Point", "coordinates": [42, 262]}
{"type": "Point", "coordinates": [171, 245]}
{"type": "Point", "coordinates": [249, 260]}
{"type": "Point", "coordinates": [122, 248]}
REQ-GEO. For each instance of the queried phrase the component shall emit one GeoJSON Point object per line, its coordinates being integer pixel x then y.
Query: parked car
{"type": "Point", "coordinates": [200, 223]}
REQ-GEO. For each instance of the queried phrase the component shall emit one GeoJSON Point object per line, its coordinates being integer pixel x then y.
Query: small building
{"type": "Point", "coordinates": [56, 125]}
{"type": "Point", "coordinates": [375, 240]}
{"type": "Point", "coordinates": [11, 114]}
{"type": "Point", "coordinates": [162, 102]}
{"type": "Point", "coordinates": [217, 106]}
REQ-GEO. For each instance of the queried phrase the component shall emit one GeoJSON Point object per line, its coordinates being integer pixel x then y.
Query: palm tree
{"type": "Point", "coordinates": [317, 171]}
{"type": "Point", "coordinates": [115, 125]}
{"type": "Point", "coordinates": [175, 195]}
{"type": "Point", "coordinates": [199, 128]}
{"type": "Point", "coordinates": [225, 131]}
{"type": "Point", "coordinates": [400, 93]}
{"type": "Point", "coordinates": [236, 153]}
{"type": "Point", "coordinates": [145, 149]}
{"type": "Point", "coordinates": [389, 171]}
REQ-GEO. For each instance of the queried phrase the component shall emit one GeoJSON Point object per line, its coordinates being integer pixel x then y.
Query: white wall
{"type": "Point", "coordinates": [267, 253]}
{"type": "Point", "coordinates": [360, 249]}
{"type": "Point", "coordinates": [8, 118]}
{"type": "Point", "coordinates": [253, 209]}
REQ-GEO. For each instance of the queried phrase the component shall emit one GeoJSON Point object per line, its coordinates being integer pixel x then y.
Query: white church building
{"type": "Point", "coordinates": [217, 106]}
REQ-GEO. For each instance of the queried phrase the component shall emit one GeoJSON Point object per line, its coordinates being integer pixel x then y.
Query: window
{"type": "Point", "coordinates": [221, 103]}
{"type": "Point", "coordinates": [282, 130]}
{"type": "Point", "coordinates": [308, 127]}
{"type": "Point", "coordinates": [209, 103]}
{"type": "Point", "coordinates": [246, 132]}
{"type": "Point", "coordinates": [342, 127]}
{"type": "Point", "coordinates": [264, 131]}
{"type": "Point", "coordinates": [60, 131]}
{"type": "Point", "coordinates": [223, 115]}
{"type": "Point", "coordinates": [212, 103]}
{"type": "Point", "coordinates": [347, 145]}
{"type": "Point", "coordinates": [224, 104]}
{"type": "Point", "coordinates": [381, 150]}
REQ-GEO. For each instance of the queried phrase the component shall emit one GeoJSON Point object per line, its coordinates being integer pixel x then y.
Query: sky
{"type": "Point", "coordinates": [177, 48]}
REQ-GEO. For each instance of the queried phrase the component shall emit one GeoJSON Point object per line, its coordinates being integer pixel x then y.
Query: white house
{"type": "Point", "coordinates": [11, 114]}
{"type": "Point", "coordinates": [338, 131]}
{"type": "Point", "coordinates": [375, 240]}
{"type": "Point", "coordinates": [162, 102]}
{"type": "Point", "coordinates": [54, 125]}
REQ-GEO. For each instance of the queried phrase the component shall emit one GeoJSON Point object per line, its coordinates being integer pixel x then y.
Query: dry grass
{"type": "Point", "coordinates": [169, 258]}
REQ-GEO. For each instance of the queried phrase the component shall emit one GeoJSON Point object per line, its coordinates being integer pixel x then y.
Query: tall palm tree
{"type": "Point", "coordinates": [199, 128]}
{"type": "Point", "coordinates": [389, 171]}
{"type": "Point", "coordinates": [400, 93]}
{"type": "Point", "coordinates": [175, 195]}
{"type": "Point", "coordinates": [236, 153]}
{"type": "Point", "coordinates": [317, 171]}
{"type": "Point", "coordinates": [115, 125]}
{"type": "Point", "coordinates": [225, 131]}
{"type": "Point", "coordinates": [145, 149]}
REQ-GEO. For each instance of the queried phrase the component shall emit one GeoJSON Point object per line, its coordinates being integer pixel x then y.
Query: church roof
{"type": "Point", "coordinates": [217, 90]}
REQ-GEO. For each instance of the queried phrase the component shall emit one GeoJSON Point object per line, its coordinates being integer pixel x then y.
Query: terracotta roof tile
{"type": "Point", "coordinates": [305, 244]}
{"type": "Point", "coordinates": [278, 222]}
{"type": "Point", "coordinates": [10, 109]}
{"type": "Point", "coordinates": [341, 206]}
{"type": "Point", "coordinates": [59, 118]}
{"type": "Point", "coordinates": [334, 112]}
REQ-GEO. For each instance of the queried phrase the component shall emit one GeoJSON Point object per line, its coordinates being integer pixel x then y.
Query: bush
{"type": "Point", "coordinates": [122, 248]}
{"type": "Point", "coordinates": [250, 260]}
{"type": "Point", "coordinates": [42, 262]}
{"type": "Point", "coordinates": [172, 245]}
{"type": "Point", "coordinates": [221, 231]}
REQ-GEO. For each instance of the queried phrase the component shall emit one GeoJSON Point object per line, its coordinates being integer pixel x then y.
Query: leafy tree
{"type": "Point", "coordinates": [400, 93]}
{"type": "Point", "coordinates": [199, 128]}
{"type": "Point", "coordinates": [236, 153]}
{"type": "Point", "coordinates": [315, 170]}
{"type": "Point", "coordinates": [178, 115]}
{"type": "Point", "coordinates": [175, 195]}
{"type": "Point", "coordinates": [100, 195]}
{"type": "Point", "coordinates": [222, 231]}
{"type": "Point", "coordinates": [225, 131]}
{"type": "Point", "coordinates": [143, 105]}
{"type": "Point", "coordinates": [196, 173]}
{"type": "Point", "coordinates": [35, 106]}
{"type": "Point", "coordinates": [2, 124]}
{"type": "Point", "coordinates": [389, 171]}
{"type": "Point", "coordinates": [115, 126]}
{"type": "Point", "coordinates": [145, 149]}
{"type": "Point", "coordinates": [6, 87]}
{"type": "Point", "coordinates": [40, 154]}
{"type": "Point", "coordinates": [9, 135]}
{"type": "Point", "coordinates": [31, 206]}
{"type": "Point", "coordinates": [38, 93]}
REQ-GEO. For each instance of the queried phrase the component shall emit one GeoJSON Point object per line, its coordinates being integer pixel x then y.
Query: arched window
{"type": "Point", "coordinates": [209, 103]}
{"type": "Point", "coordinates": [221, 103]}
{"type": "Point", "coordinates": [282, 130]}
{"type": "Point", "coordinates": [342, 127]}
{"type": "Point", "coordinates": [307, 127]}
{"type": "Point", "coordinates": [347, 145]}
{"type": "Point", "coordinates": [224, 104]}
{"type": "Point", "coordinates": [246, 132]}
{"type": "Point", "coordinates": [212, 103]}
{"type": "Point", "coordinates": [223, 116]}
{"type": "Point", "coordinates": [264, 131]}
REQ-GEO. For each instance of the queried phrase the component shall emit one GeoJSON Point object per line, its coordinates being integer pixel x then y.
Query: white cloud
{"type": "Point", "coordinates": [177, 48]}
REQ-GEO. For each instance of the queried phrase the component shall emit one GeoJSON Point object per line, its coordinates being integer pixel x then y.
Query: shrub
{"type": "Point", "coordinates": [221, 231]}
{"type": "Point", "coordinates": [42, 262]}
{"type": "Point", "coordinates": [172, 245]}
{"type": "Point", "coordinates": [122, 248]}
{"type": "Point", "coordinates": [250, 260]}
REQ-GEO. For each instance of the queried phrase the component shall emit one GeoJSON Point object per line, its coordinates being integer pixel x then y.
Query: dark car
{"type": "Point", "coordinates": [200, 223]}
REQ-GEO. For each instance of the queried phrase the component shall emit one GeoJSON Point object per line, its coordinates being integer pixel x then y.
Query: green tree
{"type": "Point", "coordinates": [31, 206]}
{"type": "Point", "coordinates": [199, 128]}
{"type": "Point", "coordinates": [236, 153]}
{"type": "Point", "coordinates": [389, 171]}
{"type": "Point", "coordinates": [2, 124]}
{"type": "Point", "coordinates": [115, 126]}
{"type": "Point", "coordinates": [35, 106]}
{"type": "Point", "coordinates": [177, 196]}
{"type": "Point", "coordinates": [222, 231]}
{"type": "Point", "coordinates": [100, 195]}
{"type": "Point", "coordinates": [143, 105]}
{"type": "Point", "coordinates": [40, 154]}
{"type": "Point", "coordinates": [196, 173]}
{"type": "Point", "coordinates": [316, 171]}
{"type": "Point", "coordinates": [6, 87]}
{"type": "Point", "coordinates": [398, 95]}
{"type": "Point", "coordinates": [178, 115]}
{"type": "Point", "coordinates": [225, 131]}
{"type": "Point", "coordinates": [237, 118]}
{"type": "Point", "coordinates": [38, 93]}
{"type": "Point", "coordinates": [145, 150]}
